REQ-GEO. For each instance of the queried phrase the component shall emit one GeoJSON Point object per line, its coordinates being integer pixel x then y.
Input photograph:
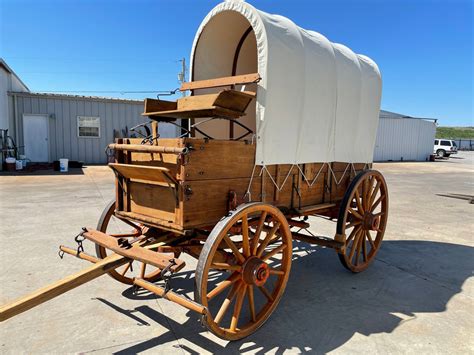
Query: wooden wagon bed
{"type": "Point", "coordinates": [195, 188]}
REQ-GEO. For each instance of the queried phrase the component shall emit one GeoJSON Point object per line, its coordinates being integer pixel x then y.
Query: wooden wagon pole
{"type": "Point", "coordinates": [68, 283]}
{"type": "Point", "coordinates": [99, 268]}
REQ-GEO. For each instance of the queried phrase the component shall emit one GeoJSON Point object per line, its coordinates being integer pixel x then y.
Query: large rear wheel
{"type": "Point", "coordinates": [363, 219]}
{"type": "Point", "coordinates": [243, 270]}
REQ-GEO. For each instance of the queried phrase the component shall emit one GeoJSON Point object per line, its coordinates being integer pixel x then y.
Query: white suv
{"type": "Point", "coordinates": [445, 147]}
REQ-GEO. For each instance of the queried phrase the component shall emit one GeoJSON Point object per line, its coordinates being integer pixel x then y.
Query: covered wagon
{"type": "Point", "coordinates": [279, 126]}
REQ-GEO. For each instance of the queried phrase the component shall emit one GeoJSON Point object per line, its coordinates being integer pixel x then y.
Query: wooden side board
{"type": "Point", "coordinates": [211, 171]}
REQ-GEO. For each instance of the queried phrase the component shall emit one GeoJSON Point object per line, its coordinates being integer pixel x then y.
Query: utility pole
{"type": "Point", "coordinates": [182, 78]}
{"type": "Point", "coordinates": [182, 74]}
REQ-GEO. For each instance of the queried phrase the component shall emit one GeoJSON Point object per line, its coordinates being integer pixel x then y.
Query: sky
{"type": "Point", "coordinates": [424, 48]}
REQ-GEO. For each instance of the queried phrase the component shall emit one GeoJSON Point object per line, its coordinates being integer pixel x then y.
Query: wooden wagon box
{"type": "Point", "coordinates": [195, 190]}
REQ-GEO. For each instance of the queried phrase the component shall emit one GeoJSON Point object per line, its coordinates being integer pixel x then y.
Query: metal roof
{"type": "Point", "coordinates": [389, 114]}
{"type": "Point", "coordinates": [10, 70]}
{"type": "Point", "coordinates": [69, 96]}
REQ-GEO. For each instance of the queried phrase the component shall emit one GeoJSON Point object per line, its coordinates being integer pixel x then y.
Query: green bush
{"type": "Point", "coordinates": [455, 132]}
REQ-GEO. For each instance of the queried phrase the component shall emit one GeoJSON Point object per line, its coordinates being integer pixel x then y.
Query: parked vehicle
{"type": "Point", "coordinates": [445, 147]}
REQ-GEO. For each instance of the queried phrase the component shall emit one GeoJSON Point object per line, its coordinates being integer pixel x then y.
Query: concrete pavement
{"type": "Point", "coordinates": [417, 297]}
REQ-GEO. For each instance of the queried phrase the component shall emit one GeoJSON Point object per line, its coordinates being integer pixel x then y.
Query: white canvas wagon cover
{"type": "Point", "coordinates": [317, 101]}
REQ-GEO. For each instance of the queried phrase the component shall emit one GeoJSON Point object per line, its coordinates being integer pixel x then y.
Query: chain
{"type": "Point", "coordinates": [166, 274]}
{"type": "Point", "coordinates": [79, 239]}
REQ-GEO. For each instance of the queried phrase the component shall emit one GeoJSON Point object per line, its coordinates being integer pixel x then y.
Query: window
{"type": "Point", "coordinates": [88, 127]}
{"type": "Point", "coordinates": [436, 142]}
{"type": "Point", "coordinates": [454, 144]}
{"type": "Point", "coordinates": [446, 143]}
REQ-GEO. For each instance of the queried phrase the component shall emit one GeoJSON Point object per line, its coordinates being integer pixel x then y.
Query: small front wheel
{"type": "Point", "coordinates": [441, 153]}
{"type": "Point", "coordinates": [248, 255]}
{"type": "Point", "coordinates": [117, 227]}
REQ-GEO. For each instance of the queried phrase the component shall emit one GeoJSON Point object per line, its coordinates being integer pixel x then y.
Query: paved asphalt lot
{"type": "Point", "coordinates": [417, 297]}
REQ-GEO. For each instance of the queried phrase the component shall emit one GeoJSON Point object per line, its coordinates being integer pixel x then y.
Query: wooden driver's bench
{"type": "Point", "coordinates": [228, 103]}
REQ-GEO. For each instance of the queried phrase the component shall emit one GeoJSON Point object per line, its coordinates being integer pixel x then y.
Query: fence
{"type": "Point", "coordinates": [464, 144]}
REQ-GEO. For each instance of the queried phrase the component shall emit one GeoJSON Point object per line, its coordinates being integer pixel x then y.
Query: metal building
{"type": "Point", "coordinates": [50, 127]}
{"type": "Point", "coordinates": [401, 137]}
{"type": "Point", "coordinates": [9, 81]}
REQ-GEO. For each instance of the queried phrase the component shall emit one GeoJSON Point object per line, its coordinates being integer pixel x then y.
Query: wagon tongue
{"type": "Point", "coordinates": [134, 251]}
{"type": "Point", "coordinates": [123, 253]}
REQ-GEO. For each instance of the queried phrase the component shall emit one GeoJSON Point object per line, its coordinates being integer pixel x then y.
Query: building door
{"type": "Point", "coordinates": [36, 137]}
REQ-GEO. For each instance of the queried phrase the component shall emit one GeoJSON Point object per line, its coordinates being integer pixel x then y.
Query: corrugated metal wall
{"type": "Point", "coordinates": [63, 111]}
{"type": "Point", "coordinates": [404, 139]}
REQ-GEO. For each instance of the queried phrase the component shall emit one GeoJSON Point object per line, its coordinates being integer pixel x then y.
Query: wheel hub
{"type": "Point", "coordinates": [255, 271]}
{"type": "Point", "coordinates": [371, 222]}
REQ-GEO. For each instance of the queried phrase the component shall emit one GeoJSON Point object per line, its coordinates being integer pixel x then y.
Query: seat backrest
{"type": "Point", "coordinates": [218, 82]}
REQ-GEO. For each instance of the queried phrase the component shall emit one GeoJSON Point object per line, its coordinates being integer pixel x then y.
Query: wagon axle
{"type": "Point", "coordinates": [371, 221]}
{"type": "Point", "coordinates": [255, 271]}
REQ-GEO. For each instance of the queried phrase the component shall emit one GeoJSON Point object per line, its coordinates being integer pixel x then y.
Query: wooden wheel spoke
{"type": "Point", "coordinates": [267, 239]}
{"type": "Point", "coordinates": [237, 308]}
{"type": "Point", "coordinates": [354, 213]}
{"type": "Point", "coordinates": [222, 286]}
{"type": "Point", "coordinates": [142, 270]}
{"type": "Point", "coordinates": [379, 214]}
{"type": "Point", "coordinates": [369, 238]}
{"type": "Point", "coordinates": [126, 269]}
{"type": "Point", "coordinates": [354, 245]}
{"type": "Point", "coordinates": [137, 227]}
{"type": "Point", "coordinates": [234, 249]}
{"type": "Point", "coordinates": [258, 231]}
{"type": "Point", "coordinates": [353, 233]}
{"type": "Point", "coordinates": [273, 252]}
{"type": "Point", "coordinates": [225, 266]}
{"type": "Point", "coordinates": [374, 193]}
{"type": "Point", "coordinates": [370, 185]}
{"type": "Point", "coordinates": [364, 248]}
{"type": "Point", "coordinates": [359, 245]}
{"type": "Point", "coordinates": [274, 271]}
{"type": "Point", "coordinates": [358, 201]}
{"type": "Point", "coordinates": [245, 236]}
{"type": "Point", "coordinates": [364, 193]}
{"type": "Point", "coordinates": [126, 235]}
{"type": "Point", "coordinates": [251, 303]}
{"type": "Point", "coordinates": [266, 293]}
{"type": "Point", "coordinates": [376, 203]}
{"type": "Point", "coordinates": [225, 305]}
{"type": "Point", "coordinates": [353, 223]}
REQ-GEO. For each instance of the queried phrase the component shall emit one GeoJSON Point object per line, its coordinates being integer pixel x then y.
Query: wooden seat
{"type": "Point", "coordinates": [227, 103]}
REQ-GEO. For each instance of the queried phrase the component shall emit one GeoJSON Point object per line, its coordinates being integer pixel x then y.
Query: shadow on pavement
{"type": "Point", "coordinates": [324, 305]}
